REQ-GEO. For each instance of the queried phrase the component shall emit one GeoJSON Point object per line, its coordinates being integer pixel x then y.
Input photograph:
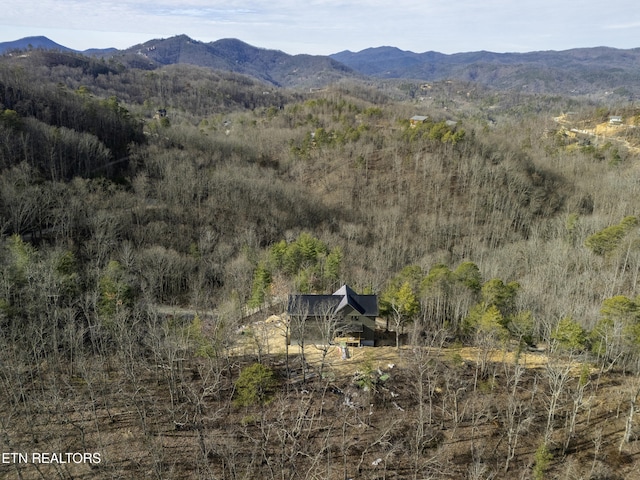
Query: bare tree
{"type": "Point", "coordinates": [517, 414]}
{"type": "Point", "coordinates": [425, 373]}
{"type": "Point", "coordinates": [298, 316]}
{"type": "Point", "coordinates": [330, 325]}
{"type": "Point", "coordinates": [558, 374]}
{"type": "Point", "coordinates": [628, 428]}
{"type": "Point", "coordinates": [577, 395]}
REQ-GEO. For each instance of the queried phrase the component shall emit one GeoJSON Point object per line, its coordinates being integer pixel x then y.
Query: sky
{"type": "Point", "coordinates": [323, 27]}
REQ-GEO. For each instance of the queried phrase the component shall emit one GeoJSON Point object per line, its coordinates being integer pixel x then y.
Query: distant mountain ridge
{"type": "Point", "coordinates": [45, 43]}
{"type": "Point", "coordinates": [576, 71]}
{"type": "Point", "coordinates": [271, 66]}
{"type": "Point", "coordinates": [377, 61]}
{"type": "Point", "coordinates": [33, 42]}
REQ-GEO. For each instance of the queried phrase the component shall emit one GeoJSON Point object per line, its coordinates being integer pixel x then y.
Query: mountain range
{"type": "Point", "coordinates": [45, 43]}
{"type": "Point", "coordinates": [577, 71]}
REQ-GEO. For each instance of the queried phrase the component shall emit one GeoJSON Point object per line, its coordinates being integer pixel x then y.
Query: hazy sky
{"type": "Point", "coordinates": [329, 26]}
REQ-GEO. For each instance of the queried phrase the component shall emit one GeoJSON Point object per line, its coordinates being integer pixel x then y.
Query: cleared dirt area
{"type": "Point", "coordinates": [604, 132]}
{"type": "Point", "coordinates": [269, 336]}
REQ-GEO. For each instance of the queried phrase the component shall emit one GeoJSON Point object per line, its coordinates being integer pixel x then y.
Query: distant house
{"type": "Point", "coordinates": [615, 120]}
{"type": "Point", "coordinates": [417, 119]}
{"type": "Point", "coordinates": [342, 317]}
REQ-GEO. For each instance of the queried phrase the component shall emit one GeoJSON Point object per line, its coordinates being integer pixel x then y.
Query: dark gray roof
{"type": "Point", "coordinates": [344, 300]}
{"type": "Point", "coordinates": [312, 305]}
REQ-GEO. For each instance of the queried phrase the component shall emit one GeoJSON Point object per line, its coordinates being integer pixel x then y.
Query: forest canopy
{"type": "Point", "coordinates": [147, 214]}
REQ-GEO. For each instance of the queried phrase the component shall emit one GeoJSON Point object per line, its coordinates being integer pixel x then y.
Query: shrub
{"type": "Point", "coordinates": [255, 386]}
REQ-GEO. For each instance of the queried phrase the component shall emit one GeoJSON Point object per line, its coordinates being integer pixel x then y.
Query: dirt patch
{"type": "Point", "coordinates": [268, 338]}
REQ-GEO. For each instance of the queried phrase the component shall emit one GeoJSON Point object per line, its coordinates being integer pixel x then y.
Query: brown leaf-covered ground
{"type": "Point", "coordinates": [416, 412]}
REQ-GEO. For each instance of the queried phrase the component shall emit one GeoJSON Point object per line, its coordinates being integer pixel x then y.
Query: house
{"type": "Point", "coordinates": [615, 120]}
{"type": "Point", "coordinates": [342, 317]}
{"type": "Point", "coordinates": [417, 119]}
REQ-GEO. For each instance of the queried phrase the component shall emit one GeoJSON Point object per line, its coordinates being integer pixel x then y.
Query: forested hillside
{"type": "Point", "coordinates": [128, 195]}
{"type": "Point", "coordinates": [576, 71]}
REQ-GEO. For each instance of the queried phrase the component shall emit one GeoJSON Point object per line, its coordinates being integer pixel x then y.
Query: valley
{"type": "Point", "coordinates": [155, 218]}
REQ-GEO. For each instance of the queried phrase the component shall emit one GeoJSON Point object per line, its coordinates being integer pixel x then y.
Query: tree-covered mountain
{"type": "Point", "coordinates": [44, 43]}
{"type": "Point", "coordinates": [270, 66]}
{"type": "Point", "coordinates": [576, 71]}
{"type": "Point", "coordinates": [152, 219]}
{"type": "Point", "coordinates": [27, 43]}
{"type": "Point", "coordinates": [582, 71]}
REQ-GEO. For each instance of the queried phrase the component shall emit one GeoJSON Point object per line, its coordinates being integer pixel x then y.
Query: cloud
{"type": "Point", "coordinates": [623, 26]}
{"type": "Point", "coordinates": [201, 12]}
